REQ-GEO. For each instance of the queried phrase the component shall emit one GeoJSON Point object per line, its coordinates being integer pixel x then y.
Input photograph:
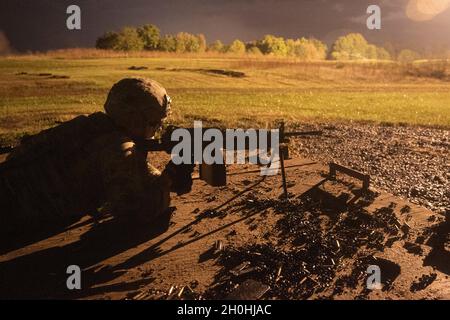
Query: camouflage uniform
{"type": "Point", "coordinates": [90, 162]}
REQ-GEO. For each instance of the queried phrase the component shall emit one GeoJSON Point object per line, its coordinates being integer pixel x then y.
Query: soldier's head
{"type": "Point", "coordinates": [138, 106]}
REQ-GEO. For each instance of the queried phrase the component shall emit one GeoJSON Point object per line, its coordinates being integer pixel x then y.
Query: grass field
{"type": "Point", "coordinates": [37, 92]}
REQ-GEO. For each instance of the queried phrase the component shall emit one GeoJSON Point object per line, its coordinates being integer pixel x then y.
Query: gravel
{"type": "Point", "coordinates": [412, 162]}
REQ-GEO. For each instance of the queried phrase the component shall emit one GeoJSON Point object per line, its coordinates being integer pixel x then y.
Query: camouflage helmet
{"type": "Point", "coordinates": [136, 103]}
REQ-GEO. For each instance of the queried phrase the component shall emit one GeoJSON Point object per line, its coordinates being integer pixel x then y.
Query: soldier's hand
{"type": "Point", "coordinates": [166, 138]}
{"type": "Point", "coordinates": [180, 176]}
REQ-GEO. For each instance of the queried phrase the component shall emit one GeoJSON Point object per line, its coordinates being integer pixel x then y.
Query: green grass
{"type": "Point", "coordinates": [272, 89]}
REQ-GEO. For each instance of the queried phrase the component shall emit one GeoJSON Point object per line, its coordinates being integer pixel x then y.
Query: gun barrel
{"type": "Point", "coordinates": [151, 145]}
{"type": "Point", "coordinates": [157, 145]}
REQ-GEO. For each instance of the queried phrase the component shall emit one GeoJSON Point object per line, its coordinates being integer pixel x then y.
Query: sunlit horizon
{"type": "Point", "coordinates": [426, 10]}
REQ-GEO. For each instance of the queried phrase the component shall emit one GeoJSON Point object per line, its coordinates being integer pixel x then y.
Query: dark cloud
{"type": "Point", "coordinates": [40, 24]}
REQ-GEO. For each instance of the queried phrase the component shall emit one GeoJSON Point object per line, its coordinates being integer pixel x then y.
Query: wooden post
{"type": "Point", "coordinates": [352, 173]}
{"type": "Point", "coordinates": [283, 153]}
{"type": "Point", "coordinates": [283, 175]}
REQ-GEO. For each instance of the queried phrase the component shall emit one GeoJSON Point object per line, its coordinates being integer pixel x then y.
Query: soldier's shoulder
{"type": "Point", "coordinates": [64, 138]}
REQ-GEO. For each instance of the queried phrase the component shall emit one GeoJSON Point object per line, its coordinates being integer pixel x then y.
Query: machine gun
{"type": "Point", "coordinates": [215, 174]}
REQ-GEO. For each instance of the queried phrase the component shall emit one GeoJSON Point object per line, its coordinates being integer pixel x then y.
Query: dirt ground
{"type": "Point", "coordinates": [130, 262]}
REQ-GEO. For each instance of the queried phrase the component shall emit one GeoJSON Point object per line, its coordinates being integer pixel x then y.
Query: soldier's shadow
{"type": "Point", "coordinates": [42, 274]}
{"type": "Point", "coordinates": [31, 235]}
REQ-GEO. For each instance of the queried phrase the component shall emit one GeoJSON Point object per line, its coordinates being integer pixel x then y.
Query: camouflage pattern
{"type": "Point", "coordinates": [133, 187]}
{"type": "Point", "coordinates": [84, 166]}
{"type": "Point", "coordinates": [135, 103]}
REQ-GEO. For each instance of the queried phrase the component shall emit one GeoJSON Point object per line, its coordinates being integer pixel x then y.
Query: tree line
{"type": "Point", "coordinates": [349, 47]}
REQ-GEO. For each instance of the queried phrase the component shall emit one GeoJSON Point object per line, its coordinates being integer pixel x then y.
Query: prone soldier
{"type": "Point", "coordinates": [93, 164]}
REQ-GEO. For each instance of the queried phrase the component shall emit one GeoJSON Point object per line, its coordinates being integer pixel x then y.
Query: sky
{"type": "Point", "coordinates": [39, 25]}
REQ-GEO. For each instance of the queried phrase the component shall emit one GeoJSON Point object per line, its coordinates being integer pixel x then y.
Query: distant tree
{"type": "Point", "coordinates": [322, 48]}
{"type": "Point", "coordinates": [391, 49]}
{"type": "Point", "coordinates": [129, 40]}
{"type": "Point", "coordinates": [168, 43]}
{"type": "Point", "coordinates": [181, 42]}
{"type": "Point", "coordinates": [150, 35]}
{"type": "Point", "coordinates": [236, 47]}
{"type": "Point", "coordinates": [193, 44]}
{"type": "Point", "coordinates": [355, 47]}
{"type": "Point", "coordinates": [108, 41]}
{"type": "Point", "coordinates": [407, 56]}
{"type": "Point", "coordinates": [253, 50]}
{"type": "Point", "coordinates": [186, 42]}
{"type": "Point", "coordinates": [350, 47]}
{"type": "Point", "coordinates": [383, 54]}
{"type": "Point", "coordinates": [371, 52]}
{"type": "Point", "coordinates": [201, 42]}
{"type": "Point", "coordinates": [273, 45]}
{"type": "Point", "coordinates": [306, 49]}
{"type": "Point", "coordinates": [216, 46]}
{"type": "Point", "coordinates": [291, 46]}
{"type": "Point", "coordinates": [126, 40]}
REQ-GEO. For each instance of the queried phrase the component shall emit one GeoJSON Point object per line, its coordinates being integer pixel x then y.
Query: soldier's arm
{"type": "Point", "coordinates": [134, 189]}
